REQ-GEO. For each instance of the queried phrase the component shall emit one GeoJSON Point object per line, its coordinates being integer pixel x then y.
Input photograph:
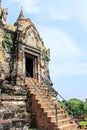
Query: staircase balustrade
{"type": "Point", "coordinates": [60, 96]}
{"type": "Point", "coordinates": [69, 104]}
{"type": "Point", "coordinates": [36, 87]}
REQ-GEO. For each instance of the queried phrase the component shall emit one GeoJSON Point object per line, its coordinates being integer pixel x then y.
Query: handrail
{"type": "Point", "coordinates": [51, 101]}
{"type": "Point", "coordinates": [55, 107]}
{"type": "Point", "coordinates": [35, 85]}
{"type": "Point", "coordinates": [69, 104]}
{"type": "Point", "coordinates": [40, 88]}
{"type": "Point", "coordinates": [50, 86]}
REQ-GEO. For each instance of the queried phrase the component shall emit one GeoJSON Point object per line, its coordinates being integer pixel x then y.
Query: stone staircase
{"type": "Point", "coordinates": [8, 121]}
{"type": "Point", "coordinates": [48, 113]}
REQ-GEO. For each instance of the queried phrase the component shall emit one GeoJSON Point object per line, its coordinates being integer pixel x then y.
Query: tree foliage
{"type": "Point", "coordinates": [7, 42]}
{"type": "Point", "coordinates": [78, 107]}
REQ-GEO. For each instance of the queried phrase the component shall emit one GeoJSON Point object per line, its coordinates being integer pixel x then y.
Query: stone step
{"type": "Point", "coordinates": [42, 105]}
{"type": "Point", "coordinates": [68, 127]}
{"type": "Point", "coordinates": [65, 121]}
{"type": "Point", "coordinates": [47, 107]}
{"type": "Point", "coordinates": [50, 113]}
{"type": "Point", "coordinates": [59, 112]}
{"type": "Point", "coordinates": [39, 87]}
{"type": "Point", "coordinates": [60, 116]}
{"type": "Point", "coordinates": [48, 103]}
{"type": "Point", "coordinates": [63, 116]}
{"type": "Point", "coordinates": [53, 119]}
{"type": "Point", "coordinates": [33, 90]}
{"type": "Point", "coordinates": [39, 94]}
{"type": "Point", "coordinates": [45, 98]}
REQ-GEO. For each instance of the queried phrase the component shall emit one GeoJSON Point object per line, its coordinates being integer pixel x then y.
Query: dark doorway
{"type": "Point", "coordinates": [29, 67]}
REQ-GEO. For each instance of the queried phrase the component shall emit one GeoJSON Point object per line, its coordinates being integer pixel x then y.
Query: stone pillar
{"type": "Point", "coordinates": [20, 74]}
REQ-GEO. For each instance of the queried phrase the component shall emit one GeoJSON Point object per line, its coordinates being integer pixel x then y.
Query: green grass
{"type": "Point", "coordinates": [83, 124]}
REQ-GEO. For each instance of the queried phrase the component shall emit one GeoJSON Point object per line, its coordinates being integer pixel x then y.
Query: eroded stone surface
{"type": "Point", "coordinates": [25, 46]}
{"type": "Point", "coordinates": [26, 41]}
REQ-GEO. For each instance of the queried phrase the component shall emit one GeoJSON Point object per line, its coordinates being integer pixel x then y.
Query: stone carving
{"type": "Point", "coordinates": [3, 15]}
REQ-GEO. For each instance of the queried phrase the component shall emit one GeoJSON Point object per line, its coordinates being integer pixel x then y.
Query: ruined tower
{"type": "Point", "coordinates": [25, 83]}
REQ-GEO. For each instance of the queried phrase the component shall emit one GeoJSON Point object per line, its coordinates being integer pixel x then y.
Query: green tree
{"type": "Point", "coordinates": [77, 106]}
{"type": "Point", "coordinates": [7, 43]}
{"type": "Point", "coordinates": [85, 108]}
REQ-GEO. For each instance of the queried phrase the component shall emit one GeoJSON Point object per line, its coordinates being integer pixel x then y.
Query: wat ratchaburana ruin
{"type": "Point", "coordinates": [27, 97]}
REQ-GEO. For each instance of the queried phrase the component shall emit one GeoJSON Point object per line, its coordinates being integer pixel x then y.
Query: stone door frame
{"type": "Point", "coordinates": [35, 54]}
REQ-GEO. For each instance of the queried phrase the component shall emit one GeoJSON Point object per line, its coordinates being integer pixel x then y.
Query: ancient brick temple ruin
{"type": "Point", "coordinates": [25, 86]}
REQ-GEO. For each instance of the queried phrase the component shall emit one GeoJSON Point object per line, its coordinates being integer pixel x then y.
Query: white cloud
{"type": "Point", "coordinates": [71, 69]}
{"type": "Point", "coordinates": [57, 10]}
{"type": "Point", "coordinates": [30, 6]}
{"type": "Point", "coordinates": [65, 53]}
{"type": "Point", "coordinates": [61, 44]}
{"type": "Point", "coordinates": [69, 10]}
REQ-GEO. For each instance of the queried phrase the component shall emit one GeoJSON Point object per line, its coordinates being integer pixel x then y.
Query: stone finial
{"type": "Point", "coordinates": [21, 15]}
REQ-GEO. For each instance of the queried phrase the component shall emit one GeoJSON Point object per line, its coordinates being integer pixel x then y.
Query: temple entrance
{"type": "Point", "coordinates": [31, 66]}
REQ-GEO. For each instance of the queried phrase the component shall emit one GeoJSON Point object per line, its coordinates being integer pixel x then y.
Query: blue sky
{"type": "Point", "coordinates": [62, 24]}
